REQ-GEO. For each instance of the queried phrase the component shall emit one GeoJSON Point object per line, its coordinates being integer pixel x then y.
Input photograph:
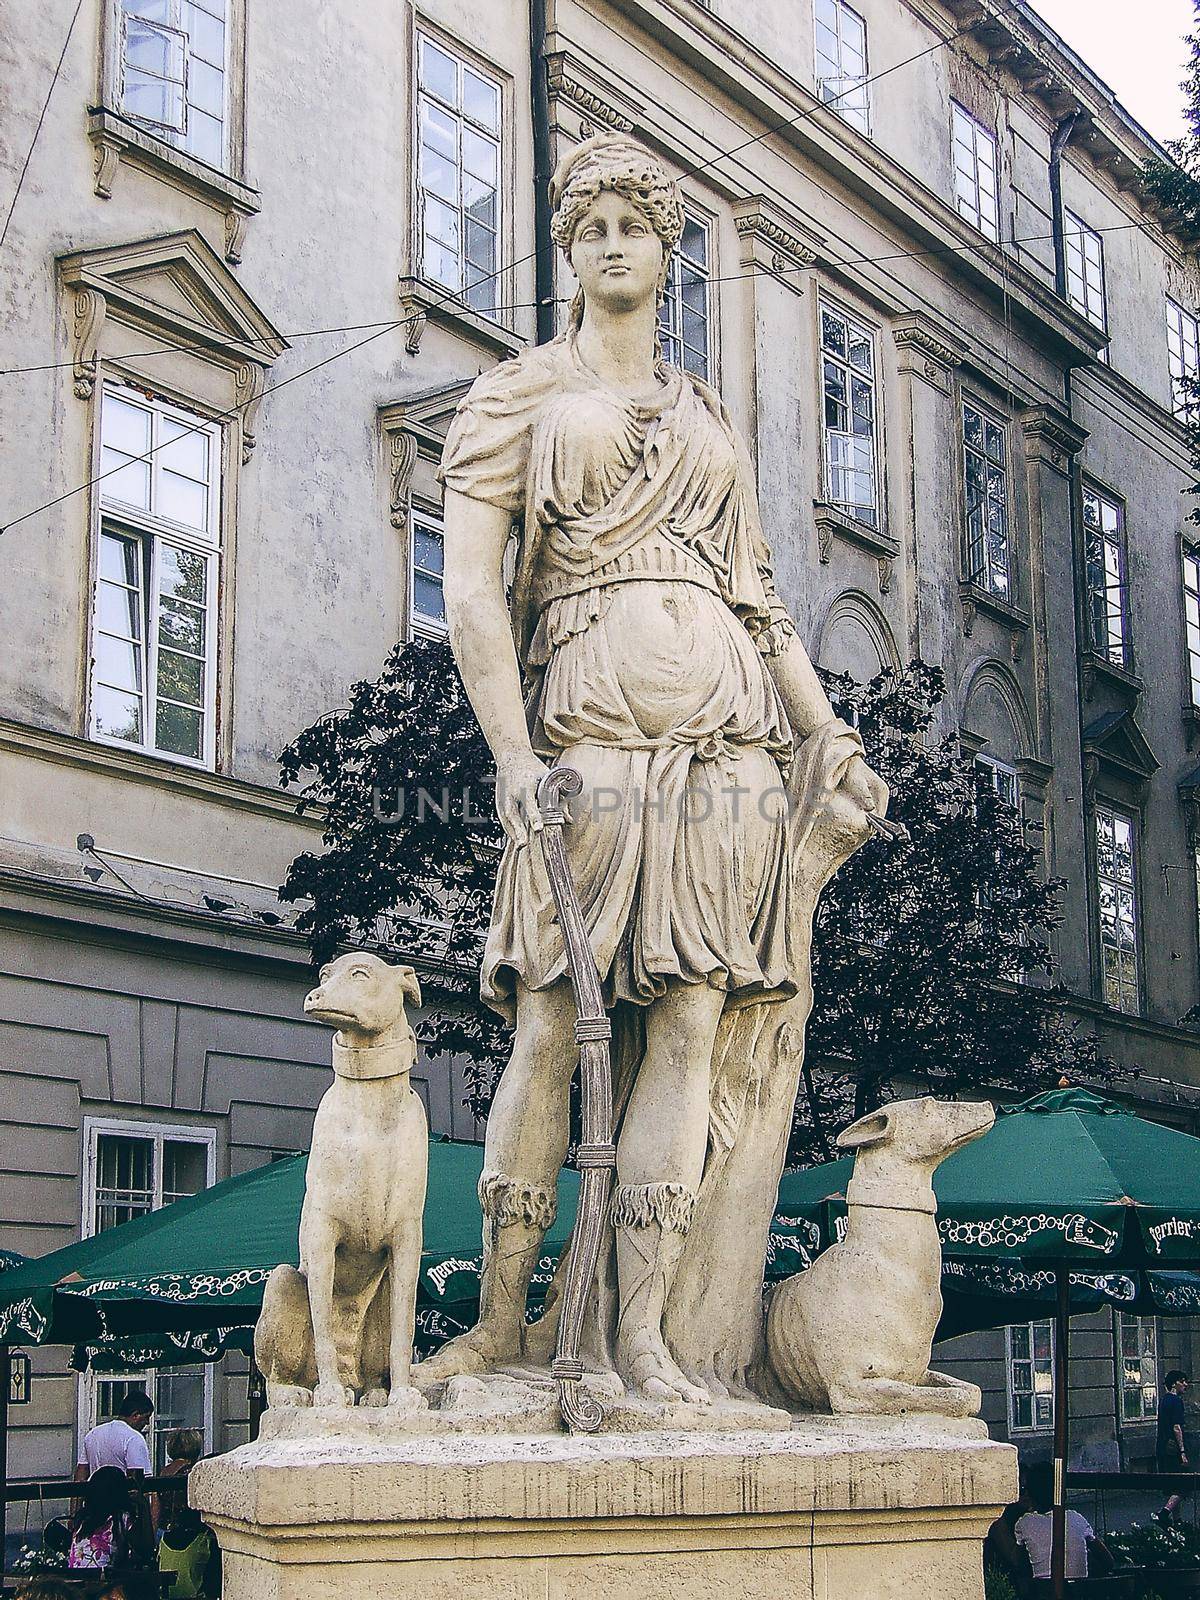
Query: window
{"type": "Point", "coordinates": [684, 332]}
{"type": "Point", "coordinates": [841, 59]}
{"type": "Point", "coordinates": [1116, 889]}
{"type": "Point", "coordinates": [153, 677]}
{"type": "Point", "coordinates": [427, 604]}
{"type": "Point", "coordinates": [458, 176]}
{"type": "Point", "coordinates": [1002, 778]}
{"type": "Point", "coordinates": [136, 1167]}
{"type": "Point", "coordinates": [1030, 1363]}
{"type": "Point", "coordinates": [173, 57]}
{"type": "Point", "coordinates": [976, 190]}
{"type": "Point", "coordinates": [131, 1168]}
{"type": "Point", "coordinates": [1085, 272]}
{"type": "Point", "coordinates": [1104, 550]}
{"type": "Point", "coordinates": [1138, 1369]}
{"type": "Point", "coordinates": [848, 383]}
{"type": "Point", "coordinates": [1191, 620]}
{"type": "Point", "coordinates": [1183, 357]}
{"type": "Point", "coordinates": [985, 461]}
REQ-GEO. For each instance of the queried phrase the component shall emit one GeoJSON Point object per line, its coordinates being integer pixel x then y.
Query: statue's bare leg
{"type": "Point", "coordinates": [526, 1143]}
{"type": "Point", "coordinates": [660, 1159]}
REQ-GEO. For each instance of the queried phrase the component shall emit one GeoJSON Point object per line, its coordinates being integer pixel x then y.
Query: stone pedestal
{"type": "Point", "coordinates": [834, 1509]}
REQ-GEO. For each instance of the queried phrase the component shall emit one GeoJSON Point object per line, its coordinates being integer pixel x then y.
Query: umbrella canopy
{"type": "Point", "coordinates": [185, 1283]}
{"type": "Point", "coordinates": [1064, 1177]}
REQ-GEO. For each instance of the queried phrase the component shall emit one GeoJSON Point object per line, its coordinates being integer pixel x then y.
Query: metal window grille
{"type": "Point", "coordinates": [841, 62]}
{"type": "Point", "coordinates": [1104, 551]}
{"type": "Point", "coordinates": [175, 72]}
{"type": "Point", "coordinates": [684, 326]}
{"type": "Point", "coordinates": [985, 461]}
{"type": "Point", "coordinates": [153, 666]}
{"type": "Point", "coordinates": [1116, 889]}
{"type": "Point", "coordinates": [1029, 1363]}
{"type": "Point", "coordinates": [458, 175]}
{"type": "Point", "coordinates": [976, 173]}
{"type": "Point", "coordinates": [849, 394]}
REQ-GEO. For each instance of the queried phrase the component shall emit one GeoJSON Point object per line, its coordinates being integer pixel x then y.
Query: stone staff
{"type": "Point", "coordinates": [597, 1155]}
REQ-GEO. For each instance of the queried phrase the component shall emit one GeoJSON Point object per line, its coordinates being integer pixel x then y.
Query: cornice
{"type": "Point", "coordinates": [566, 83]}
{"type": "Point", "coordinates": [917, 332]}
{"type": "Point", "coordinates": [1050, 432]}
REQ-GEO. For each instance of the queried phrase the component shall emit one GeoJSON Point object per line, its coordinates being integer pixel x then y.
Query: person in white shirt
{"type": "Point", "coordinates": [120, 1443]}
{"type": "Point", "coordinates": [1085, 1554]}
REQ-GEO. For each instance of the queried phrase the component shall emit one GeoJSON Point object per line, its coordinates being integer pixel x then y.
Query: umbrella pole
{"type": "Point", "coordinates": [5, 1388]}
{"type": "Point", "coordinates": [1062, 1425]}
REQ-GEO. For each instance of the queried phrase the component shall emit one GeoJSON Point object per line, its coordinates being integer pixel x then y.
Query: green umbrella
{"type": "Point", "coordinates": [153, 1286]}
{"type": "Point", "coordinates": [1069, 1201]}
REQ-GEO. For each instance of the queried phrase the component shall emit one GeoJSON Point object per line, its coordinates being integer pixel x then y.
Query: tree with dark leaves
{"type": "Point", "coordinates": [918, 948]}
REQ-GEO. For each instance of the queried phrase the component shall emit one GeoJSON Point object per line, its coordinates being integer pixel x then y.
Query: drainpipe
{"type": "Point", "coordinates": [539, 109]}
{"type": "Point", "coordinates": [1058, 143]}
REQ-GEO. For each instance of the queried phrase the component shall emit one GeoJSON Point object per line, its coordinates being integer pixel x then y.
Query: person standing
{"type": "Point", "coordinates": [120, 1442]}
{"type": "Point", "coordinates": [1170, 1451]}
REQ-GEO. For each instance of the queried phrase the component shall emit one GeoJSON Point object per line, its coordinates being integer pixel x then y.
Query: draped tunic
{"type": "Point", "coordinates": [643, 608]}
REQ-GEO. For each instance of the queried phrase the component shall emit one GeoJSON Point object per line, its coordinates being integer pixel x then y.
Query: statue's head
{"type": "Point", "coordinates": [617, 218]}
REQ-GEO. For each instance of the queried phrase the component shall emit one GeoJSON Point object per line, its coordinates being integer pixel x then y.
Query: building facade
{"type": "Point", "coordinates": [256, 258]}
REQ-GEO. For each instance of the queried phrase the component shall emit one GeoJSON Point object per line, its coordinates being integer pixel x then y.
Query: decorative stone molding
{"type": "Point", "coordinates": [592, 106]}
{"type": "Point", "coordinates": [414, 429]}
{"type": "Point", "coordinates": [1051, 436]}
{"type": "Point", "coordinates": [768, 241]}
{"type": "Point", "coordinates": [118, 140]}
{"type": "Point", "coordinates": [926, 350]}
{"type": "Point", "coordinates": [833, 523]}
{"type": "Point", "coordinates": [977, 602]}
{"type": "Point", "coordinates": [142, 286]}
{"type": "Point", "coordinates": [1099, 671]}
{"type": "Point", "coordinates": [423, 303]}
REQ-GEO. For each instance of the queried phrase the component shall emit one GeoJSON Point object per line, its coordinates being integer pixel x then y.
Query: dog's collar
{"type": "Point", "coordinates": [392, 1060]}
{"type": "Point", "coordinates": [888, 1197]}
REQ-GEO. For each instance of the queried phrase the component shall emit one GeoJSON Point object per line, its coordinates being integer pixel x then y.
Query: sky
{"type": "Point", "coordinates": [1137, 49]}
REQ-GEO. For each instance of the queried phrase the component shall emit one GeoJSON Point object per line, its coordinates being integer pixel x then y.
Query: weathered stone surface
{"type": "Point", "coordinates": [830, 1510]}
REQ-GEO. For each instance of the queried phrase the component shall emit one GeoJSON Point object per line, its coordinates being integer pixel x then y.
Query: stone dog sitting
{"type": "Point", "coordinates": [853, 1334]}
{"type": "Point", "coordinates": [341, 1328]}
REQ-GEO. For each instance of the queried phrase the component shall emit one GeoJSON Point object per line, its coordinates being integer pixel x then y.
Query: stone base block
{"type": "Point", "coordinates": [834, 1509]}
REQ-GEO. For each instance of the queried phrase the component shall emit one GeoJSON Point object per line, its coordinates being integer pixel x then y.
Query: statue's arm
{"type": "Point", "coordinates": [481, 637]}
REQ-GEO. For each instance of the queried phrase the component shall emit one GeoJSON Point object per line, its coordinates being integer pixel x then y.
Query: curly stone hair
{"type": "Point", "coordinates": [614, 161]}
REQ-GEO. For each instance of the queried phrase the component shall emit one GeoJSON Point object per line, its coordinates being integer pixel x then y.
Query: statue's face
{"type": "Point", "coordinates": [616, 254]}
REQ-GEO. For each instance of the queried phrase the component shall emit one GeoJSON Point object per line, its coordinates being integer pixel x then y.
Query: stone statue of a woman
{"type": "Point", "coordinates": [645, 646]}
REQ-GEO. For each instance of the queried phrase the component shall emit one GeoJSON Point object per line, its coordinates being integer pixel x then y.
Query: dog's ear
{"type": "Point", "coordinates": [409, 987]}
{"type": "Point", "coordinates": [874, 1128]}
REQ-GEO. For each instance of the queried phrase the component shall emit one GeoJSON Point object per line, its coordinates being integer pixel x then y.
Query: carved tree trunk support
{"type": "Point", "coordinates": [597, 1155]}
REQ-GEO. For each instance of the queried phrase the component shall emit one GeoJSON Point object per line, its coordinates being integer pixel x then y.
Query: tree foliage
{"type": "Point", "coordinates": [916, 946]}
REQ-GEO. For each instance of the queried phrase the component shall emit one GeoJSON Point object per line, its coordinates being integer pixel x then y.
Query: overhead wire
{"type": "Point", "coordinates": [406, 320]}
{"type": "Point", "coordinates": [41, 119]}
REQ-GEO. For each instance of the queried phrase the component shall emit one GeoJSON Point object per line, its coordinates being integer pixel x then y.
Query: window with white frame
{"type": "Point", "coordinates": [173, 59]}
{"type": "Point", "coordinates": [1183, 357]}
{"type": "Point", "coordinates": [684, 318]}
{"type": "Point", "coordinates": [130, 1169]}
{"type": "Point", "coordinates": [154, 633]}
{"type": "Point", "coordinates": [1002, 778]}
{"type": "Point", "coordinates": [1084, 251]}
{"type": "Point", "coordinates": [849, 395]}
{"type": "Point", "coordinates": [426, 600]}
{"type": "Point", "coordinates": [1030, 1372]}
{"type": "Point", "coordinates": [1191, 620]}
{"type": "Point", "coordinates": [985, 464]}
{"type": "Point", "coordinates": [458, 175]}
{"type": "Point", "coordinates": [1104, 550]}
{"type": "Point", "coordinates": [1138, 1371]}
{"type": "Point", "coordinates": [1116, 892]}
{"type": "Point", "coordinates": [841, 61]}
{"type": "Point", "coordinates": [976, 173]}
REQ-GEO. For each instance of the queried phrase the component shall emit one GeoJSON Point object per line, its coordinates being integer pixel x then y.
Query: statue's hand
{"type": "Point", "coordinates": [865, 788]}
{"type": "Point", "coordinates": [517, 778]}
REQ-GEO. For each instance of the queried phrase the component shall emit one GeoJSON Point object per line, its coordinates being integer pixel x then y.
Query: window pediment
{"type": "Point", "coordinates": [178, 290]}
{"type": "Point", "coordinates": [414, 428]}
{"type": "Point", "coordinates": [1115, 742]}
